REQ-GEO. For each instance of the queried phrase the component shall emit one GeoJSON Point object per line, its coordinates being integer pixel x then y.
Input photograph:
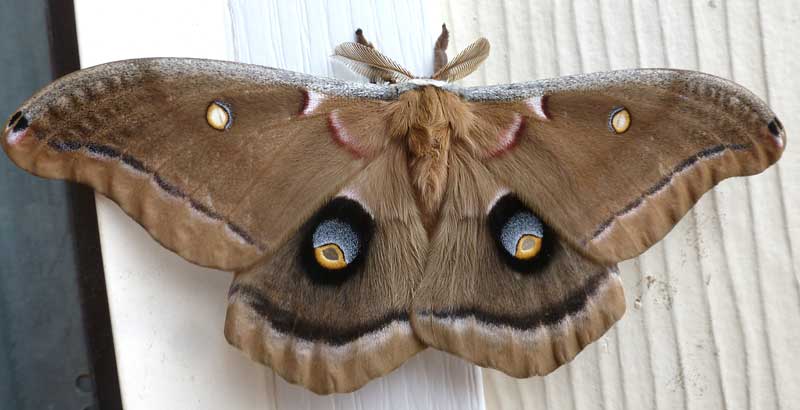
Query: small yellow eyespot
{"type": "Point", "coordinates": [528, 246]}
{"type": "Point", "coordinates": [620, 120]}
{"type": "Point", "coordinates": [330, 256]}
{"type": "Point", "coordinates": [218, 116]}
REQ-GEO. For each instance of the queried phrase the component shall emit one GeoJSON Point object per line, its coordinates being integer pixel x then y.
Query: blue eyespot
{"type": "Point", "coordinates": [523, 241]}
{"type": "Point", "coordinates": [336, 241]}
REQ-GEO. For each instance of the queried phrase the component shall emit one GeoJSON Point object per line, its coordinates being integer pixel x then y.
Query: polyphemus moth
{"type": "Point", "coordinates": [366, 222]}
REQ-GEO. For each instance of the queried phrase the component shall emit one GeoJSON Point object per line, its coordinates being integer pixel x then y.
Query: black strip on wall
{"type": "Point", "coordinates": [56, 346]}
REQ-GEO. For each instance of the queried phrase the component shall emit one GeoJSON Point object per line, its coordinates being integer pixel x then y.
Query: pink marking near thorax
{"type": "Point", "coordinates": [509, 138]}
{"type": "Point", "coordinates": [341, 136]}
{"type": "Point", "coordinates": [539, 106]}
{"type": "Point", "coordinates": [311, 101]}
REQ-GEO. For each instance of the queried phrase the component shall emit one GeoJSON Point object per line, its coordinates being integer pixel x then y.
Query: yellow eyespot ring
{"type": "Point", "coordinates": [619, 120]}
{"type": "Point", "coordinates": [218, 116]}
{"type": "Point", "coordinates": [330, 256]}
{"type": "Point", "coordinates": [528, 246]}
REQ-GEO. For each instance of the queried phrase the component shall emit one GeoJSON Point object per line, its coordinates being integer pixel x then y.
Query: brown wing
{"type": "Point", "coordinates": [334, 329]}
{"type": "Point", "coordinates": [613, 160]}
{"type": "Point", "coordinates": [521, 316]}
{"type": "Point", "coordinates": [140, 132]}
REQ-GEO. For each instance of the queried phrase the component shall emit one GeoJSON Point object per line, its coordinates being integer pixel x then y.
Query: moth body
{"type": "Point", "coordinates": [426, 119]}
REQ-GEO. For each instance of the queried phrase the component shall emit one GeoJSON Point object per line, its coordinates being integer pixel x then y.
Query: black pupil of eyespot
{"type": "Point", "coordinates": [330, 254]}
{"type": "Point", "coordinates": [527, 244]}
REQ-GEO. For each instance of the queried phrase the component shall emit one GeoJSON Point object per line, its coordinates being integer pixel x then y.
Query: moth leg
{"type": "Point", "coordinates": [440, 49]}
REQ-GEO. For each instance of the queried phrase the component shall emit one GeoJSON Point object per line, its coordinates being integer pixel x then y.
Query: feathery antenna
{"type": "Point", "coordinates": [467, 61]}
{"type": "Point", "coordinates": [364, 59]}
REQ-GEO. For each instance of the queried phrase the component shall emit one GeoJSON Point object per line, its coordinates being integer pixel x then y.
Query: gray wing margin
{"type": "Point", "coordinates": [581, 82]}
{"type": "Point", "coordinates": [130, 70]}
{"type": "Point", "coordinates": [274, 76]}
{"type": "Point", "coordinates": [681, 81]}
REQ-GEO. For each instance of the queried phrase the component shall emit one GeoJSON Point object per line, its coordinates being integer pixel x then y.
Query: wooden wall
{"type": "Point", "coordinates": [713, 316]}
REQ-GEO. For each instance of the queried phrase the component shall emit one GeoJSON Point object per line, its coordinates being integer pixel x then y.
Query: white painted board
{"type": "Point", "coordinates": [713, 316]}
{"type": "Point", "coordinates": [167, 315]}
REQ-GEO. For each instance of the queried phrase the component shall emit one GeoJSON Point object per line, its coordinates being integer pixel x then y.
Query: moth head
{"type": "Point", "coordinates": [363, 59]}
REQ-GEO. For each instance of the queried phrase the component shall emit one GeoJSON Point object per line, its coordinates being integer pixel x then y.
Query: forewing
{"type": "Point", "coordinates": [614, 192]}
{"type": "Point", "coordinates": [138, 132]}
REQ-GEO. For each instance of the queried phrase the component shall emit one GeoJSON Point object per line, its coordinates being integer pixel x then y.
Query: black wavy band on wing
{"type": "Point", "coordinates": [664, 181]}
{"type": "Point", "coordinates": [571, 305]}
{"type": "Point", "coordinates": [286, 322]}
{"type": "Point", "coordinates": [111, 153]}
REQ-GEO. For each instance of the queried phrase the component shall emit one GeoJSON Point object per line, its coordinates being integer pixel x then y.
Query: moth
{"type": "Point", "coordinates": [366, 222]}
